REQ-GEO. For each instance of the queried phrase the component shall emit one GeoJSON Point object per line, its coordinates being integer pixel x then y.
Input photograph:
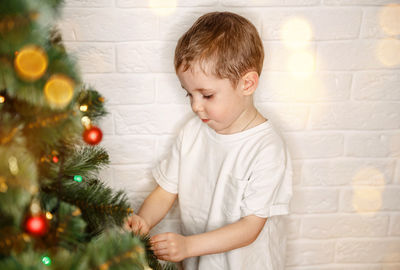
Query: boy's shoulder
{"type": "Point", "coordinates": [191, 126]}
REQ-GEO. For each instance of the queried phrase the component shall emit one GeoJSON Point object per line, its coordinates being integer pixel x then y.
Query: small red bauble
{"type": "Point", "coordinates": [92, 135]}
{"type": "Point", "coordinates": [55, 159]}
{"type": "Point", "coordinates": [36, 225]}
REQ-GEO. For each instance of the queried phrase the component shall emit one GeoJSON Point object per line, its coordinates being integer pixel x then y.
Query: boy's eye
{"type": "Point", "coordinates": [208, 97]}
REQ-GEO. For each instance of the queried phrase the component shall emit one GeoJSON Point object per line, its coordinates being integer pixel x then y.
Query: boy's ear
{"type": "Point", "coordinates": [250, 82]}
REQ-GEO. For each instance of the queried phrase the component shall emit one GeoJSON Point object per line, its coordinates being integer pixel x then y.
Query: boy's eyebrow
{"type": "Point", "coordinates": [198, 89]}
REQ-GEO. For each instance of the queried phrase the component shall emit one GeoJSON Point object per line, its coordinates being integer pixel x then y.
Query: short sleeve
{"type": "Point", "coordinates": [166, 172]}
{"type": "Point", "coordinates": [269, 190]}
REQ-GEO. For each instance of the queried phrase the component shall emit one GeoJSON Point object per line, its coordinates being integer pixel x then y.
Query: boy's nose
{"type": "Point", "coordinates": [196, 106]}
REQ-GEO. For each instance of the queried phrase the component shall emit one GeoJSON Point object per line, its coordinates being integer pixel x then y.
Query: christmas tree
{"type": "Point", "coordinates": [54, 211]}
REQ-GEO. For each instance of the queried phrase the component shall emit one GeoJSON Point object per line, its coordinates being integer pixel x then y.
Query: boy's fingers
{"type": "Point", "coordinates": [159, 245]}
{"type": "Point", "coordinates": [158, 237]}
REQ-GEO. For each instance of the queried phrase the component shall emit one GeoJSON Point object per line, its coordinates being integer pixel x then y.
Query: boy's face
{"type": "Point", "coordinates": [214, 100]}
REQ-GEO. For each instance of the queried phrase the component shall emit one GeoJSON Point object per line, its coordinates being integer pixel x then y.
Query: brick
{"type": "Point", "coordinates": [164, 145]}
{"type": "Point", "coordinates": [297, 171]}
{"type": "Point", "coordinates": [380, 22]}
{"type": "Point", "coordinates": [314, 145]}
{"type": "Point", "coordinates": [382, 85]}
{"type": "Point", "coordinates": [356, 55]}
{"type": "Point", "coordinates": [106, 124]}
{"type": "Point", "coordinates": [292, 227]}
{"type": "Point", "coordinates": [301, 252]}
{"type": "Point", "coordinates": [352, 266]}
{"type": "Point", "coordinates": [394, 228]}
{"type": "Point", "coordinates": [133, 178]}
{"type": "Point", "coordinates": [355, 115]}
{"type": "Point", "coordinates": [346, 172]}
{"type": "Point", "coordinates": [283, 87]}
{"type": "Point", "coordinates": [150, 119]}
{"type": "Point", "coordinates": [357, 2]}
{"type": "Point", "coordinates": [124, 149]}
{"type": "Point", "coordinates": [267, 3]}
{"type": "Point", "coordinates": [337, 226]}
{"type": "Point", "coordinates": [93, 58]}
{"type": "Point", "coordinates": [146, 57]}
{"type": "Point", "coordinates": [169, 90]}
{"type": "Point", "coordinates": [108, 24]}
{"type": "Point", "coordinates": [286, 117]}
{"type": "Point", "coordinates": [373, 144]}
{"type": "Point", "coordinates": [166, 3]}
{"type": "Point", "coordinates": [368, 251]}
{"type": "Point", "coordinates": [279, 58]}
{"type": "Point", "coordinates": [370, 199]}
{"type": "Point", "coordinates": [121, 89]}
{"type": "Point", "coordinates": [318, 21]}
{"type": "Point", "coordinates": [88, 3]}
{"type": "Point", "coordinates": [106, 176]}
{"type": "Point", "coordinates": [315, 200]}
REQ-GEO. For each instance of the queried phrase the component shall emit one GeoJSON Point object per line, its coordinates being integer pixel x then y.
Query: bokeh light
{"type": "Point", "coordinates": [388, 52]}
{"type": "Point", "coordinates": [368, 185]}
{"type": "Point", "coordinates": [389, 19]}
{"type": "Point", "coordinates": [163, 7]}
{"type": "Point", "coordinates": [296, 33]}
{"type": "Point", "coordinates": [301, 64]}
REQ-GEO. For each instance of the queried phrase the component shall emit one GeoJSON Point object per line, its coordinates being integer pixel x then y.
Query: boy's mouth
{"type": "Point", "coordinates": [205, 120]}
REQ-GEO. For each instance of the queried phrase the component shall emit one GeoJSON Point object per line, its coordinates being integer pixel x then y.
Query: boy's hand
{"type": "Point", "coordinates": [136, 224]}
{"type": "Point", "coordinates": [169, 246]}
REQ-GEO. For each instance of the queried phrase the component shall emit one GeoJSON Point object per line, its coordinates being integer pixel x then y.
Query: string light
{"type": "Point", "coordinates": [78, 178]}
{"type": "Point", "coordinates": [55, 159]}
{"type": "Point", "coordinates": [46, 260]}
{"type": "Point", "coordinates": [49, 215]}
{"type": "Point", "coordinates": [83, 108]}
{"type": "Point", "coordinates": [2, 99]}
{"type": "Point", "coordinates": [86, 121]}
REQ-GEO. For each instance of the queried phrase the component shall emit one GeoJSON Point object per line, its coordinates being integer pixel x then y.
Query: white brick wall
{"type": "Point", "coordinates": [342, 122]}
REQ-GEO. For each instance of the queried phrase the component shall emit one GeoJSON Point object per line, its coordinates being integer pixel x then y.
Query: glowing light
{"type": "Point", "coordinates": [46, 260]}
{"type": "Point", "coordinates": [78, 178]}
{"type": "Point", "coordinates": [49, 215]}
{"type": "Point", "coordinates": [86, 121]}
{"type": "Point", "coordinates": [388, 52]}
{"type": "Point", "coordinates": [368, 199]}
{"type": "Point", "coordinates": [13, 165]}
{"type": "Point", "coordinates": [296, 33]}
{"type": "Point", "coordinates": [389, 19]}
{"type": "Point", "coordinates": [163, 7]}
{"type": "Point", "coordinates": [83, 108]}
{"type": "Point", "coordinates": [301, 64]}
{"type": "Point", "coordinates": [2, 99]}
{"type": "Point", "coordinates": [3, 185]}
{"type": "Point", "coordinates": [55, 159]}
{"type": "Point", "coordinates": [369, 175]}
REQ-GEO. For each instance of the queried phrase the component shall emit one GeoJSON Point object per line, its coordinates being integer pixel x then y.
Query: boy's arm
{"type": "Point", "coordinates": [175, 247]}
{"type": "Point", "coordinates": [156, 206]}
{"type": "Point", "coordinates": [153, 209]}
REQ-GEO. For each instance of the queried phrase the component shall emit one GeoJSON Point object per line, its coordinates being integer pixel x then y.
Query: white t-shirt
{"type": "Point", "coordinates": [222, 178]}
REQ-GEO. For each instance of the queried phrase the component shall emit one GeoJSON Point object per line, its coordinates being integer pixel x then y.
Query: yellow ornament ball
{"type": "Point", "coordinates": [30, 63]}
{"type": "Point", "coordinates": [59, 90]}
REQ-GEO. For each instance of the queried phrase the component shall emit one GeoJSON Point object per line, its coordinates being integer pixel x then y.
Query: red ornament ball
{"type": "Point", "coordinates": [92, 135]}
{"type": "Point", "coordinates": [36, 225]}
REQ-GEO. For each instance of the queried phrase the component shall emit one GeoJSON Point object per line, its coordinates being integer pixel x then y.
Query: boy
{"type": "Point", "coordinates": [228, 166]}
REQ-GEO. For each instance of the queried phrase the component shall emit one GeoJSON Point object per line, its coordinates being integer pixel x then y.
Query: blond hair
{"type": "Point", "coordinates": [227, 41]}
